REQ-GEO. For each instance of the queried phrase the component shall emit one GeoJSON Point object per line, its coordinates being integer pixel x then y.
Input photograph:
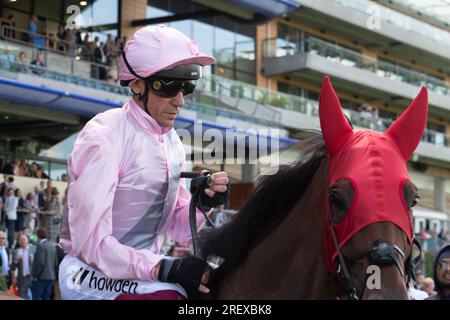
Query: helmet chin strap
{"type": "Point", "coordinates": [143, 96]}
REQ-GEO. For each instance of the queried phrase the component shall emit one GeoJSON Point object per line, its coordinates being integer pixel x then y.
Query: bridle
{"type": "Point", "coordinates": [382, 253]}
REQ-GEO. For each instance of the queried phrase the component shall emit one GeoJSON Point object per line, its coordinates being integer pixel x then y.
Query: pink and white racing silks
{"type": "Point", "coordinates": [124, 196]}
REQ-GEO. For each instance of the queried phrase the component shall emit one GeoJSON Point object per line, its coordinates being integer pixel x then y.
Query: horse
{"type": "Point", "coordinates": [322, 227]}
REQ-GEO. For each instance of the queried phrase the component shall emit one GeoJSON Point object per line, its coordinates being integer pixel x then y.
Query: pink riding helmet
{"type": "Point", "coordinates": [156, 48]}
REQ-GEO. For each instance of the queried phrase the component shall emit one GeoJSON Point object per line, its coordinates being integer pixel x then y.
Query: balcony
{"type": "Point", "coordinates": [362, 73]}
{"type": "Point", "coordinates": [398, 19]}
{"type": "Point", "coordinates": [218, 89]}
{"type": "Point", "coordinates": [375, 25]}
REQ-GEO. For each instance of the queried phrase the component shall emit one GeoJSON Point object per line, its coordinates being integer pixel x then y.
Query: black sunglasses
{"type": "Point", "coordinates": [170, 88]}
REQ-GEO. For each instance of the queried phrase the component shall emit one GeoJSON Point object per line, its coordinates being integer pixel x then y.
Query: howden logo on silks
{"type": "Point", "coordinates": [112, 285]}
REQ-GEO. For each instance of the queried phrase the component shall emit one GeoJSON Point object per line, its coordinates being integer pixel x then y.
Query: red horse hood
{"type": "Point", "coordinates": [375, 164]}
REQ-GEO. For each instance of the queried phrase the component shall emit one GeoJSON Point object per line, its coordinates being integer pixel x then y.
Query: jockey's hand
{"type": "Point", "coordinates": [191, 273]}
{"type": "Point", "coordinates": [219, 183]}
{"type": "Point", "coordinates": [217, 192]}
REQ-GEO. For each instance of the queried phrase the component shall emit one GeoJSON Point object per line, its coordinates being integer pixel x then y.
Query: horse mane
{"type": "Point", "coordinates": [269, 203]}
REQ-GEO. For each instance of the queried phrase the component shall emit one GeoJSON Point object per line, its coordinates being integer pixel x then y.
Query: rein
{"type": "Point", "coordinates": [199, 182]}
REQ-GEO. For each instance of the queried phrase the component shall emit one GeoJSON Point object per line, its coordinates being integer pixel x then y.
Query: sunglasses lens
{"type": "Point", "coordinates": [188, 87]}
{"type": "Point", "coordinates": [170, 89]}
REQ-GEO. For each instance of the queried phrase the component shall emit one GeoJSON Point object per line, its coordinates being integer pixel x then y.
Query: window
{"type": "Point", "coordinates": [98, 12]}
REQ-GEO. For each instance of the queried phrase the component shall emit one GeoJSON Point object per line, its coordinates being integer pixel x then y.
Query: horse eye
{"type": "Point", "coordinates": [415, 201]}
{"type": "Point", "coordinates": [340, 197]}
{"type": "Point", "coordinates": [337, 201]}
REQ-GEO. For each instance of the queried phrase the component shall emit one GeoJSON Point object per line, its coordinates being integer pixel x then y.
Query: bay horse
{"type": "Point", "coordinates": [316, 228]}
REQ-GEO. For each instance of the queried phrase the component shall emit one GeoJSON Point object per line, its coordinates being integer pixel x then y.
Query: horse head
{"type": "Point", "coordinates": [368, 209]}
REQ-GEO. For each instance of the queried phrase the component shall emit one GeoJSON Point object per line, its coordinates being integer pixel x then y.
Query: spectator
{"type": "Point", "coordinates": [2, 215]}
{"type": "Point", "coordinates": [70, 39]}
{"type": "Point", "coordinates": [30, 212]}
{"type": "Point", "coordinates": [78, 39]}
{"type": "Point", "coordinates": [221, 217]}
{"type": "Point", "coordinates": [116, 50]}
{"type": "Point", "coordinates": [9, 183]}
{"type": "Point", "coordinates": [9, 168]}
{"type": "Point", "coordinates": [37, 40]}
{"type": "Point", "coordinates": [109, 47]}
{"type": "Point", "coordinates": [88, 48]}
{"type": "Point", "coordinates": [21, 210]}
{"type": "Point", "coordinates": [61, 36]}
{"type": "Point", "coordinates": [431, 244]}
{"type": "Point", "coordinates": [48, 193]}
{"type": "Point", "coordinates": [4, 256]}
{"type": "Point", "coordinates": [416, 294]}
{"type": "Point", "coordinates": [45, 266]}
{"type": "Point", "coordinates": [53, 220]}
{"type": "Point", "coordinates": [39, 63]}
{"type": "Point", "coordinates": [60, 252]}
{"type": "Point", "coordinates": [419, 280]}
{"type": "Point", "coordinates": [442, 238]}
{"type": "Point", "coordinates": [32, 171]}
{"type": "Point", "coordinates": [40, 174]}
{"type": "Point", "coordinates": [100, 58]}
{"type": "Point", "coordinates": [441, 274]}
{"type": "Point", "coordinates": [16, 167]}
{"type": "Point", "coordinates": [24, 168]}
{"type": "Point", "coordinates": [36, 201]}
{"type": "Point", "coordinates": [64, 177]}
{"type": "Point", "coordinates": [10, 32]}
{"type": "Point", "coordinates": [23, 261]}
{"type": "Point", "coordinates": [428, 286]}
{"type": "Point", "coordinates": [11, 203]}
{"type": "Point", "coordinates": [3, 186]}
{"type": "Point", "coordinates": [22, 63]}
{"type": "Point", "coordinates": [38, 198]}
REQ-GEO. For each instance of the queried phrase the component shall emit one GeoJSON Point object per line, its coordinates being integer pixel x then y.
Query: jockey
{"type": "Point", "coordinates": [125, 192]}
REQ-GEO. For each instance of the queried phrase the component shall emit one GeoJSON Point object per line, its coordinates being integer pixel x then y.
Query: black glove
{"type": "Point", "coordinates": [205, 202]}
{"type": "Point", "coordinates": [187, 272]}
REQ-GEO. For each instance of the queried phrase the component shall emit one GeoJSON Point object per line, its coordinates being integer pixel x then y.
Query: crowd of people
{"type": "Point", "coordinates": [29, 227]}
{"type": "Point", "coordinates": [22, 168]}
{"type": "Point", "coordinates": [77, 43]}
{"type": "Point", "coordinates": [432, 240]}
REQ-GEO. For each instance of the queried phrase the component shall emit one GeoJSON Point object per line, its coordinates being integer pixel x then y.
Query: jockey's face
{"type": "Point", "coordinates": [163, 110]}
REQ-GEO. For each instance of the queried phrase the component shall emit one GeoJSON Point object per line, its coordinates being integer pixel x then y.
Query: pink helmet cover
{"type": "Point", "coordinates": [155, 48]}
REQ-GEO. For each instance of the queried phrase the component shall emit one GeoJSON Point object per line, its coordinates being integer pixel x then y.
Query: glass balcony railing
{"type": "Point", "coordinates": [13, 68]}
{"type": "Point", "coordinates": [258, 100]}
{"type": "Point", "coordinates": [268, 98]}
{"type": "Point", "coordinates": [388, 15]}
{"type": "Point", "coordinates": [210, 113]}
{"type": "Point", "coordinates": [276, 47]}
